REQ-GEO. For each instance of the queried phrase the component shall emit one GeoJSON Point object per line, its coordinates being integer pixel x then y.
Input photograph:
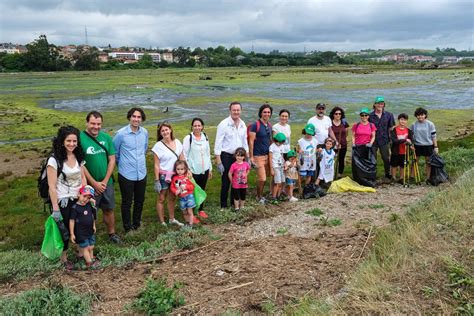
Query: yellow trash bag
{"type": "Point", "coordinates": [346, 184]}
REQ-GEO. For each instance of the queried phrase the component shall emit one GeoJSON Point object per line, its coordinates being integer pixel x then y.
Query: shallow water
{"type": "Point", "coordinates": [426, 89]}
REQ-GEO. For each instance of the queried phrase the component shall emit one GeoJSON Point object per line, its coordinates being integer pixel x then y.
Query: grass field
{"type": "Point", "coordinates": [26, 102]}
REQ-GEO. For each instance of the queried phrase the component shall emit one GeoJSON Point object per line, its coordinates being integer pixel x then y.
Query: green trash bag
{"type": "Point", "coordinates": [53, 244]}
{"type": "Point", "coordinates": [199, 194]}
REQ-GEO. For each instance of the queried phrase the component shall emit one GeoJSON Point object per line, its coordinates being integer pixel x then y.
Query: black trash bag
{"type": "Point", "coordinates": [438, 173]}
{"type": "Point", "coordinates": [364, 166]}
{"type": "Point", "coordinates": [310, 191]}
{"type": "Point", "coordinates": [320, 191]}
{"type": "Point", "coordinates": [313, 191]}
{"type": "Point", "coordinates": [64, 231]}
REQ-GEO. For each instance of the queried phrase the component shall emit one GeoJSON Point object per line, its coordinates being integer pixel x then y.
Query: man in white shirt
{"type": "Point", "coordinates": [231, 134]}
{"type": "Point", "coordinates": [322, 124]}
{"type": "Point", "coordinates": [322, 127]}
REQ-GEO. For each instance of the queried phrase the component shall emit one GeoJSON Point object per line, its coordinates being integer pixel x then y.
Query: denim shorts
{"type": "Point", "coordinates": [88, 242]}
{"type": "Point", "coordinates": [307, 173]}
{"type": "Point", "coordinates": [164, 185]}
{"type": "Point", "coordinates": [187, 202]}
{"type": "Point", "coordinates": [290, 181]}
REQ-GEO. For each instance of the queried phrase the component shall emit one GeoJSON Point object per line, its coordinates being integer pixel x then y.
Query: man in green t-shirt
{"type": "Point", "coordinates": [99, 152]}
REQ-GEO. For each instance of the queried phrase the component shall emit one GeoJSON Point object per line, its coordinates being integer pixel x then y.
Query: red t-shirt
{"type": "Point", "coordinates": [402, 134]}
{"type": "Point", "coordinates": [363, 133]}
{"type": "Point", "coordinates": [182, 185]}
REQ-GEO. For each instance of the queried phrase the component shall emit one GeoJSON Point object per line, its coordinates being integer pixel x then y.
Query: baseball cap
{"type": "Point", "coordinates": [320, 106]}
{"type": "Point", "coordinates": [309, 129]}
{"type": "Point", "coordinates": [379, 99]}
{"type": "Point", "coordinates": [364, 110]}
{"type": "Point", "coordinates": [87, 190]}
{"type": "Point", "coordinates": [291, 153]}
{"type": "Point", "coordinates": [279, 137]}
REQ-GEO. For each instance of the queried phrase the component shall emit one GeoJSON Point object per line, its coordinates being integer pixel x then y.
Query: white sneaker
{"type": "Point", "coordinates": [163, 224]}
{"type": "Point", "coordinates": [293, 199]}
{"type": "Point", "coordinates": [176, 222]}
{"type": "Point", "coordinates": [262, 200]}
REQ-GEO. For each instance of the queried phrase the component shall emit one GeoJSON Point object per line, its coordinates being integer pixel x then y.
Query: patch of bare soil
{"type": "Point", "coordinates": [19, 164]}
{"type": "Point", "coordinates": [272, 259]}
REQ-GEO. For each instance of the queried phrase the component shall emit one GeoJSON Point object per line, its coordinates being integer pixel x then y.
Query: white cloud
{"type": "Point", "coordinates": [267, 25]}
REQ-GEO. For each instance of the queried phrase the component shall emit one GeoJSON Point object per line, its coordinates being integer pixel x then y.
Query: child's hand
{"type": "Point", "coordinates": [73, 238]}
{"type": "Point", "coordinates": [319, 150]}
{"type": "Point", "coordinates": [92, 202]}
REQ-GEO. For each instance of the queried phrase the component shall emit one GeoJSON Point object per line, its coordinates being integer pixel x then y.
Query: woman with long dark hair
{"type": "Point", "coordinates": [340, 128]}
{"type": "Point", "coordinates": [65, 173]}
{"type": "Point", "coordinates": [197, 150]}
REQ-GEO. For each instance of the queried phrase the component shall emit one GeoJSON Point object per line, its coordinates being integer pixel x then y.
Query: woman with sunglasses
{"type": "Point", "coordinates": [363, 132]}
{"type": "Point", "coordinates": [363, 137]}
{"type": "Point", "coordinates": [339, 127]}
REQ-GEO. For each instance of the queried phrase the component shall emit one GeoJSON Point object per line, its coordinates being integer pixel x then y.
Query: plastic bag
{"type": "Point", "coordinates": [438, 174]}
{"type": "Point", "coordinates": [53, 244]}
{"type": "Point", "coordinates": [63, 231]}
{"type": "Point", "coordinates": [312, 190]}
{"type": "Point", "coordinates": [364, 166]}
{"type": "Point", "coordinates": [199, 194]}
{"type": "Point", "coordinates": [346, 184]}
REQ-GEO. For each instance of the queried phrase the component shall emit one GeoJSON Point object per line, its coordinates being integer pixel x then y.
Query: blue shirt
{"type": "Point", "coordinates": [263, 138]}
{"type": "Point", "coordinates": [130, 153]}
{"type": "Point", "coordinates": [384, 124]}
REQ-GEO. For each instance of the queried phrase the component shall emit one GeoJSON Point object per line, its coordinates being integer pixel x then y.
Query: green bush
{"type": "Point", "coordinates": [158, 299]}
{"type": "Point", "coordinates": [55, 301]}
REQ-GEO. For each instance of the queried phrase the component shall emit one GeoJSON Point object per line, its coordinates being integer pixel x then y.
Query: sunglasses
{"type": "Point", "coordinates": [338, 113]}
{"type": "Point", "coordinates": [362, 115]}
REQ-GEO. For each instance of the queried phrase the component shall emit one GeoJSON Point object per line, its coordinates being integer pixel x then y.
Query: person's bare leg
{"type": "Point", "coordinates": [260, 187]}
{"type": "Point", "coordinates": [109, 220]}
{"type": "Point", "coordinates": [87, 256]}
{"type": "Point", "coordinates": [160, 206]}
{"type": "Point", "coordinates": [171, 205]}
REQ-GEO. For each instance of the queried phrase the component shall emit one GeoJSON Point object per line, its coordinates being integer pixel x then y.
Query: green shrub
{"type": "Point", "coordinates": [54, 301]}
{"type": "Point", "coordinates": [158, 299]}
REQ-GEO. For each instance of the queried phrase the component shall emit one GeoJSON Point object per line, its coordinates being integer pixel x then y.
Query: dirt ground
{"type": "Point", "coordinates": [275, 259]}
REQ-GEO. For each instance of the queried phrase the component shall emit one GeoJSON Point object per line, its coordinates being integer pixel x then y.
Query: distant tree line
{"type": "Point", "coordinates": [43, 56]}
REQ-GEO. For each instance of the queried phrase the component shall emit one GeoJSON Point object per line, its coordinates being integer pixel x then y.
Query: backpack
{"type": "Point", "coordinates": [43, 187]}
{"type": "Point", "coordinates": [191, 138]}
{"type": "Point", "coordinates": [258, 128]}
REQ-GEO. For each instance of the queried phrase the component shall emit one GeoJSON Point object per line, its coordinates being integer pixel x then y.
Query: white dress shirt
{"type": "Point", "coordinates": [229, 137]}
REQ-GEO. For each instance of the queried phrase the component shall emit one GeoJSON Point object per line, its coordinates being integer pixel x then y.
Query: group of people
{"type": "Point", "coordinates": [80, 168]}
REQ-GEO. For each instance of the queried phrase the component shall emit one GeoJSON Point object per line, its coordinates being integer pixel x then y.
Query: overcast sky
{"type": "Point", "coordinates": [293, 25]}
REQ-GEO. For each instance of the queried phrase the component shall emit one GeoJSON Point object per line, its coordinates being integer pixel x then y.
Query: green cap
{"type": "Point", "coordinates": [364, 110]}
{"type": "Point", "coordinates": [309, 129]}
{"type": "Point", "coordinates": [379, 99]}
{"type": "Point", "coordinates": [279, 137]}
{"type": "Point", "coordinates": [291, 153]}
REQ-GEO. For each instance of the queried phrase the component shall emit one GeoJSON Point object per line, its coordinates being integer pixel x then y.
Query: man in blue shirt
{"type": "Point", "coordinates": [131, 144]}
{"type": "Point", "coordinates": [384, 122]}
{"type": "Point", "coordinates": [260, 138]}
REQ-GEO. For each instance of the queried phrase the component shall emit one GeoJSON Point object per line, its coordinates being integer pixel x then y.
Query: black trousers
{"type": "Point", "coordinates": [132, 191]}
{"type": "Point", "coordinates": [201, 180]}
{"type": "Point", "coordinates": [341, 156]}
{"type": "Point", "coordinates": [66, 214]}
{"type": "Point", "coordinates": [385, 153]}
{"type": "Point", "coordinates": [227, 160]}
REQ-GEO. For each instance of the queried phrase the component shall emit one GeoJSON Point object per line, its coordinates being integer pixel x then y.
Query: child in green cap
{"type": "Point", "coordinates": [277, 163]}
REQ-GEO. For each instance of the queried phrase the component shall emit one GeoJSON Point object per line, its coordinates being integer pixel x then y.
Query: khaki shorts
{"type": "Point", "coordinates": [263, 167]}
